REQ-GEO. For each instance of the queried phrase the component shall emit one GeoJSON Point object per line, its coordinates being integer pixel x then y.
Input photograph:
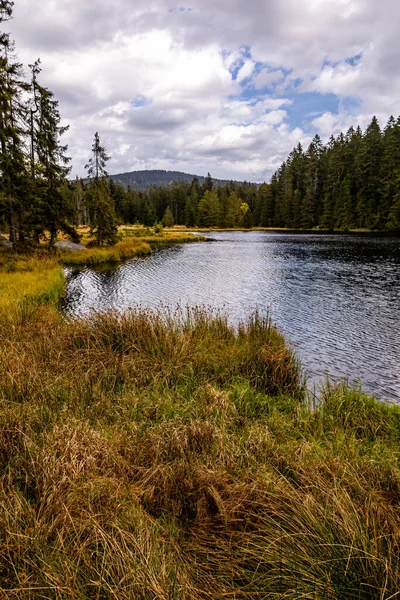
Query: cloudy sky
{"type": "Point", "coordinates": [226, 86]}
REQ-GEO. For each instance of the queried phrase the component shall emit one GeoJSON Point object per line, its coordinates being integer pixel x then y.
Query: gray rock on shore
{"type": "Point", "coordinates": [5, 243]}
{"type": "Point", "coordinates": [67, 246]}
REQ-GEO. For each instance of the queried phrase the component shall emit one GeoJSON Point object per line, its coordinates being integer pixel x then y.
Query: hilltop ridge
{"type": "Point", "coordinates": [142, 180]}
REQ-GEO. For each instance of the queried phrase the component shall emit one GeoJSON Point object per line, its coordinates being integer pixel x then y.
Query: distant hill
{"type": "Point", "coordinates": [142, 180]}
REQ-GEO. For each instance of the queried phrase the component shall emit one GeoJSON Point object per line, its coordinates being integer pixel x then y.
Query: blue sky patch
{"type": "Point", "coordinates": [140, 101]}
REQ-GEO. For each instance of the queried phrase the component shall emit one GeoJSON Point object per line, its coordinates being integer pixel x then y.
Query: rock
{"type": "Point", "coordinates": [5, 243]}
{"type": "Point", "coordinates": [67, 246]}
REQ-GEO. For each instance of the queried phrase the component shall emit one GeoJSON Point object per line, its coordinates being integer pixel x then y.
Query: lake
{"type": "Point", "coordinates": [335, 297]}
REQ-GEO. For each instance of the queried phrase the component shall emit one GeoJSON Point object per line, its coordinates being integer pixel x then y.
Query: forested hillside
{"type": "Point", "coordinates": [143, 180]}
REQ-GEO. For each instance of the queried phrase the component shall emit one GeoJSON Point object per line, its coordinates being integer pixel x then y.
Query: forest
{"type": "Point", "coordinates": [352, 182]}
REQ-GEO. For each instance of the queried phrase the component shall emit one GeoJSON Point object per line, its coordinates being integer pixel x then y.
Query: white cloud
{"type": "Point", "coordinates": [101, 57]}
{"type": "Point", "coordinates": [266, 78]}
{"type": "Point", "coordinates": [245, 71]}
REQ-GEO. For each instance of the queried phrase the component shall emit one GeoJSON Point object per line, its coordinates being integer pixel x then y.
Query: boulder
{"type": "Point", "coordinates": [68, 246]}
{"type": "Point", "coordinates": [5, 243]}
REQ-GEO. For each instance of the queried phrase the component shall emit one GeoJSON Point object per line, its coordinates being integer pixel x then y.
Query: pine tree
{"type": "Point", "coordinates": [393, 222]}
{"type": "Point", "coordinates": [312, 202]}
{"type": "Point", "coordinates": [149, 216]}
{"type": "Point", "coordinates": [168, 218]}
{"type": "Point", "coordinates": [370, 159]}
{"type": "Point", "coordinates": [390, 172]}
{"type": "Point", "coordinates": [51, 168]}
{"type": "Point", "coordinates": [233, 214]}
{"type": "Point", "coordinates": [267, 203]}
{"type": "Point", "coordinates": [13, 174]}
{"type": "Point", "coordinates": [208, 184]}
{"type": "Point", "coordinates": [208, 211]}
{"type": "Point", "coordinates": [191, 207]}
{"type": "Point", "coordinates": [101, 208]}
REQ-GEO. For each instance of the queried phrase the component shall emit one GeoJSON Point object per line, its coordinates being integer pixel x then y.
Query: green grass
{"type": "Point", "coordinates": [128, 248]}
{"type": "Point", "coordinates": [168, 455]}
{"type": "Point", "coordinates": [27, 283]}
{"type": "Point", "coordinates": [152, 236]}
{"type": "Point", "coordinates": [135, 242]}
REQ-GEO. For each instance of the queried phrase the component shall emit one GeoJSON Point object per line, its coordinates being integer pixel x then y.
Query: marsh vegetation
{"type": "Point", "coordinates": [170, 455]}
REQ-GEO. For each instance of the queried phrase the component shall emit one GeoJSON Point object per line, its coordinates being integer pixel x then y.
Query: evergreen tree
{"type": "Point", "coordinates": [267, 203]}
{"type": "Point", "coordinates": [393, 222]}
{"type": "Point", "coordinates": [168, 218]}
{"type": "Point", "coordinates": [208, 211]}
{"type": "Point", "coordinates": [370, 173]}
{"type": "Point", "coordinates": [233, 214]}
{"type": "Point", "coordinates": [223, 208]}
{"type": "Point", "coordinates": [208, 184]}
{"type": "Point", "coordinates": [191, 207]}
{"type": "Point", "coordinates": [52, 163]}
{"type": "Point", "coordinates": [149, 216]}
{"type": "Point", "coordinates": [117, 194]}
{"type": "Point", "coordinates": [103, 223]}
{"type": "Point", "coordinates": [390, 173]}
{"type": "Point", "coordinates": [78, 199]}
{"type": "Point", "coordinates": [13, 174]}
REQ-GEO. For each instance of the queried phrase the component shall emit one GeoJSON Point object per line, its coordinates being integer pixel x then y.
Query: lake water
{"type": "Point", "coordinates": [336, 297]}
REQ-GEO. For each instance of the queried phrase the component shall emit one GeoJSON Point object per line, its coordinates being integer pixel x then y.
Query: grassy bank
{"type": "Point", "coordinates": [315, 230]}
{"type": "Point", "coordinates": [169, 456]}
{"type": "Point", "coordinates": [109, 254]}
{"type": "Point", "coordinates": [27, 283]}
{"type": "Point", "coordinates": [163, 236]}
{"type": "Point", "coordinates": [135, 242]}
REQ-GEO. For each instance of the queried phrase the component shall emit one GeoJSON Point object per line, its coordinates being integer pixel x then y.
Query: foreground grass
{"type": "Point", "coordinates": [169, 456]}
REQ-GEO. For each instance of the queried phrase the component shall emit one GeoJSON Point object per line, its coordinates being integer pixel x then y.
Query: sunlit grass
{"type": "Point", "coordinates": [109, 254]}
{"type": "Point", "coordinates": [26, 283]}
{"type": "Point", "coordinates": [135, 242]}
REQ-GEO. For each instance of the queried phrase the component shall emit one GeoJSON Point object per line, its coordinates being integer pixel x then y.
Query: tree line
{"type": "Point", "coordinates": [351, 182]}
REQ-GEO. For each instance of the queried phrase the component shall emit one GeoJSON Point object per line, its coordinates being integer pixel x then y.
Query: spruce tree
{"type": "Point", "coordinates": [49, 163]}
{"type": "Point", "coordinates": [103, 223]}
{"type": "Point", "coordinates": [13, 174]}
{"type": "Point", "coordinates": [208, 211]}
{"type": "Point", "coordinates": [168, 218]}
{"type": "Point", "coordinates": [370, 161]}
